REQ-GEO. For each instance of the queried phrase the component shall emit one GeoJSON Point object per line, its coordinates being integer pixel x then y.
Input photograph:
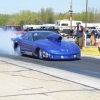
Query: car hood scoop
{"type": "Point", "coordinates": [54, 37]}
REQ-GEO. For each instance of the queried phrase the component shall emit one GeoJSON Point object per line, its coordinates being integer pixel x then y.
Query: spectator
{"type": "Point", "coordinates": [79, 35]}
{"type": "Point", "coordinates": [92, 38]}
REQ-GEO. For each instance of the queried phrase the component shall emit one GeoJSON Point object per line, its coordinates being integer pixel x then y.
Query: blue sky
{"type": "Point", "coordinates": [15, 6]}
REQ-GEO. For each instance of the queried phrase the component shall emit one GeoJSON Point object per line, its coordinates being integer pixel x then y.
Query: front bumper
{"type": "Point", "coordinates": [63, 57]}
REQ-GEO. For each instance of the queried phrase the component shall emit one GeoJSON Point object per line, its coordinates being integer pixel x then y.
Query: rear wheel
{"type": "Point", "coordinates": [18, 50]}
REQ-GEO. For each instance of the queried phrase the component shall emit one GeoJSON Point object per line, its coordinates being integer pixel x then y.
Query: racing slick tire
{"type": "Point", "coordinates": [18, 51]}
{"type": "Point", "coordinates": [40, 54]}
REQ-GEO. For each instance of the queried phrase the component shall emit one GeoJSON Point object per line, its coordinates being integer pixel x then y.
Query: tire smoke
{"type": "Point", "coordinates": [6, 44]}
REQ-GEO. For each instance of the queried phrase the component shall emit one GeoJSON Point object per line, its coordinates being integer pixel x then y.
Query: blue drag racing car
{"type": "Point", "coordinates": [46, 44]}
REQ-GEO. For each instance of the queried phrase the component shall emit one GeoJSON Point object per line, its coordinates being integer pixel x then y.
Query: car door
{"type": "Point", "coordinates": [27, 44]}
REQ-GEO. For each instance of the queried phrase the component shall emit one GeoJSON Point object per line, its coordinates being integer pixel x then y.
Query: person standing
{"type": "Point", "coordinates": [79, 35]}
{"type": "Point", "coordinates": [92, 38]}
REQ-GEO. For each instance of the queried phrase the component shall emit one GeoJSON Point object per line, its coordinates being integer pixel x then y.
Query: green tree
{"type": "Point", "coordinates": [3, 19]}
{"type": "Point", "coordinates": [61, 16]}
{"type": "Point", "coordinates": [47, 15]}
{"type": "Point", "coordinates": [14, 19]}
{"type": "Point", "coordinates": [27, 17]}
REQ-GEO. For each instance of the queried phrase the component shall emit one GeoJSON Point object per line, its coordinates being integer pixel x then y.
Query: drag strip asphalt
{"type": "Point", "coordinates": [85, 71]}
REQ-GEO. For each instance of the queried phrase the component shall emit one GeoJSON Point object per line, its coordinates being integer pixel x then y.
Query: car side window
{"type": "Point", "coordinates": [35, 36]}
{"type": "Point", "coordinates": [38, 36]}
{"type": "Point", "coordinates": [28, 36]}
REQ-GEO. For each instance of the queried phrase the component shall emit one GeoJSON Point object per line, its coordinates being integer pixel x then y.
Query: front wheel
{"type": "Point", "coordinates": [40, 54]}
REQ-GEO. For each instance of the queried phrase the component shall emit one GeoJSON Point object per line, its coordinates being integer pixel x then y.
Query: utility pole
{"type": "Point", "coordinates": [86, 13]}
{"type": "Point", "coordinates": [70, 14]}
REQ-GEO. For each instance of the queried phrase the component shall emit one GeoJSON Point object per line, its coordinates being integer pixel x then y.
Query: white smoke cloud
{"type": "Point", "coordinates": [6, 44]}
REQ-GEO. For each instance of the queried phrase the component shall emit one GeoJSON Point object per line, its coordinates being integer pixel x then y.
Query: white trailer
{"type": "Point", "coordinates": [31, 26]}
{"type": "Point", "coordinates": [65, 24]}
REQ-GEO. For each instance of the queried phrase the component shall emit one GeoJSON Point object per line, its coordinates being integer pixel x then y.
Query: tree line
{"type": "Point", "coordinates": [48, 16]}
